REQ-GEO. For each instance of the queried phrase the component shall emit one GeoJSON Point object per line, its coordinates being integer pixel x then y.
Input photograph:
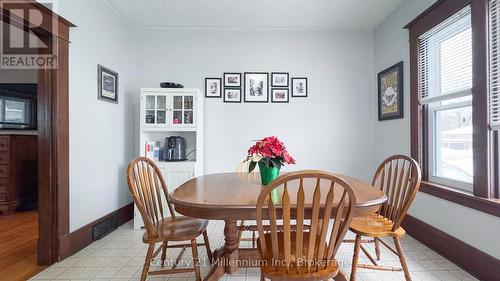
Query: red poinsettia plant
{"type": "Point", "coordinates": [269, 151]}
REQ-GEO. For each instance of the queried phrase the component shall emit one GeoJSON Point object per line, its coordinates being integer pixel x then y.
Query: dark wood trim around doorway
{"type": "Point", "coordinates": [53, 138]}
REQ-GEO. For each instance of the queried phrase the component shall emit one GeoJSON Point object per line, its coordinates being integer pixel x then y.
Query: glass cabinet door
{"type": "Point", "coordinates": [177, 110]}
{"type": "Point", "coordinates": [188, 110]}
{"type": "Point", "coordinates": [161, 109]}
{"type": "Point", "coordinates": [183, 110]}
{"type": "Point", "coordinates": [150, 109]}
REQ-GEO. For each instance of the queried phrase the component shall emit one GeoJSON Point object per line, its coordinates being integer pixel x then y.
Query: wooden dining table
{"type": "Point", "coordinates": [232, 197]}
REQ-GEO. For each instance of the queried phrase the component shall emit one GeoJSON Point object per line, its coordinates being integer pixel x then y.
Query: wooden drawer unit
{"type": "Point", "coordinates": [4, 143]}
{"type": "Point", "coordinates": [4, 157]}
{"type": "Point", "coordinates": [4, 170]}
{"type": "Point", "coordinates": [18, 170]}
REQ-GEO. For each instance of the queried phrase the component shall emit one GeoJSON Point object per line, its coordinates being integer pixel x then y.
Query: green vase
{"type": "Point", "coordinates": [268, 174]}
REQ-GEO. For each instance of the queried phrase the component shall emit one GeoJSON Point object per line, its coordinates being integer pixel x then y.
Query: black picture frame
{"type": "Point", "coordinates": [227, 85]}
{"type": "Point", "coordinates": [294, 94]}
{"type": "Point", "coordinates": [397, 70]}
{"type": "Point", "coordinates": [280, 89]}
{"type": "Point", "coordinates": [246, 87]}
{"type": "Point", "coordinates": [219, 95]}
{"type": "Point", "coordinates": [234, 89]}
{"type": "Point", "coordinates": [280, 85]}
{"type": "Point", "coordinates": [107, 87]}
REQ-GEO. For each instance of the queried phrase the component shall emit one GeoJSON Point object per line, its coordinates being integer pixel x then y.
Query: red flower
{"type": "Point", "coordinates": [271, 147]}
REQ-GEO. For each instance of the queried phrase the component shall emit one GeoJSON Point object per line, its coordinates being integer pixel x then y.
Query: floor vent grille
{"type": "Point", "coordinates": [104, 228]}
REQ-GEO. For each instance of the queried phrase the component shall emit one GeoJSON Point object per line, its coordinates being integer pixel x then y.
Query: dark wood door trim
{"type": "Point", "coordinates": [53, 137]}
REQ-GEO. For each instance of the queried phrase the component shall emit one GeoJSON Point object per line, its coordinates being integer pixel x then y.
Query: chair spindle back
{"type": "Point", "coordinates": [304, 245]}
{"type": "Point", "coordinates": [147, 188]}
{"type": "Point", "coordinates": [399, 178]}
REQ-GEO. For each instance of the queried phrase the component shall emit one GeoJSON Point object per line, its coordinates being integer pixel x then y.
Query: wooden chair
{"type": "Point", "coordinates": [399, 178]}
{"type": "Point", "coordinates": [243, 168]}
{"type": "Point", "coordinates": [289, 250]}
{"type": "Point", "coordinates": [147, 188]}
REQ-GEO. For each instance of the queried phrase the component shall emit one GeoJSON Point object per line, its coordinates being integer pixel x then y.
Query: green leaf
{"type": "Point", "coordinates": [251, 167]}
{"type": "Point", "coordinates": [276, 163]}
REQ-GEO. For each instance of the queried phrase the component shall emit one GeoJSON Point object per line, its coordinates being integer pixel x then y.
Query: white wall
{"type": "Point", "coordinates": [18, 76]}
{"type": "Point", "coordinates": [329, 130]}
{"type": "Point", "coordinates": [101, 133]}
{"type": "Point", "coordinates": [392, 137]}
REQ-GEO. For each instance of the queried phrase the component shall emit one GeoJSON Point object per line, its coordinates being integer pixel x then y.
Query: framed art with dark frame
{"type": "Point", "coordinates": [107, 83]}
{"type": "Point", "coordinates": [213, 87]}
{"type": "Point", "coordinates": [390, 93]}
{"type": "Point", "coordinates": [299, 87]}
{"type": "Point", "coordinates": [279, 79]}
{"type": "Point", "coordinates": [256, 87]}
{"type": "Point", "coordinates": [232, 79]}
{"type": "Point", "coordinates": [232, 95]}
{"type": "Point", "coordinates": [280, 95]}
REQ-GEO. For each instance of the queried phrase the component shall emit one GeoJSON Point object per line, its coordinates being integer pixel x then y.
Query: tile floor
{"type": "Point", "coordinates": [120, 256]}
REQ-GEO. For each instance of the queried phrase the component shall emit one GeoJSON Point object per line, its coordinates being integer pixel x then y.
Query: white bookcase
{"type": "Point", "coordinates": [172, 112]}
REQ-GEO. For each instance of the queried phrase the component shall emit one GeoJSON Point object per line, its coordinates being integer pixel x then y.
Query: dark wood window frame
{"type": "Point", "coordinates": [485, 196]}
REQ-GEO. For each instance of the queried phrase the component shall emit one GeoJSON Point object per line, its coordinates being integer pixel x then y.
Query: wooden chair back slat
{"type": "Point", "coordinates": [149, 191]}
{"type": "Point", "coordinates": [274, 229]}
{"type": "Point", "coordinates": [325, 221]}
{"type": "Point", "coordinates": [286, 227]}
{"type": "Point", "coordinates": [387, 188]}
{"type": "Point", "coordinates": [400, 186]}
{"type": "Point", "coordinates": [152, 193]}
{"type": "Point", "coordinates": [310, 244]}
{"type": "Point", "coordinates": [300, 220]}
{"type": "Point", "coordinates": [314, 224]}
{"type": "Point", "coordinates": [399, 190]}
{"type": "Point", "coordinates": [339, 225]}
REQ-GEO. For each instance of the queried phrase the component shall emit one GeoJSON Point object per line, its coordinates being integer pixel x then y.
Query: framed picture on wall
{"type": "Point", "coordinates": [232, 79]}
{"type": "Point", "coordinates": [390, 93]}
{"type": "Point", "coordinates": [279, 79]}
{"type": "Point", "coordinates": [213, 87]}
{"type": "Point", "coordinates": [107, 84]}
{"type": "Point", "coordinates": [256, 87]}
{"type": "Point", "coordinates": [279, 95]}
{"type": "Point", "coordinates": [299, 87]}
{"type": "Point", "coordinates": [232, 95]}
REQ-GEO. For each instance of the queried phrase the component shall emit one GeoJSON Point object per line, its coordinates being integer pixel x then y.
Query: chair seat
{"type": "Point", "coordinates": [279, 271]}
{"type": "Point", "coordinates": [375, 226]}
{"type": "Point", "coordinates": [178, 229]}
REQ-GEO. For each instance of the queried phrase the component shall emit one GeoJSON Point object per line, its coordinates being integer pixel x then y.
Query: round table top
{"type": "Point", "coordinates": [228, 196]}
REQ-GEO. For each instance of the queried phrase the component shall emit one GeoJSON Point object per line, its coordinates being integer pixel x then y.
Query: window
{"type": "Point", "coordinates": [455, 101]}
{"type": "Point", "coordinates": [16, 113]}
{"type": "Point", "coordinates": [494, 90]}
{"type": "Point", "coordinates": [445, 83]}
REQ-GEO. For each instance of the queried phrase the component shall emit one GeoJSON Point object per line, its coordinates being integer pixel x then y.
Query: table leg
{"type": "Point", "coordinates": [226, 258]}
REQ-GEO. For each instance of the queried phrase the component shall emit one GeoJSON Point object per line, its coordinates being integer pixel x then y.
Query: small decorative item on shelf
{"type": "Point", "coordinates": [270, 154]}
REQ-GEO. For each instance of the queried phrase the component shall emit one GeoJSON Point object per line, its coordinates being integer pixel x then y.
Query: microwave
{"type": "Point", "coordinates": [18, 106]}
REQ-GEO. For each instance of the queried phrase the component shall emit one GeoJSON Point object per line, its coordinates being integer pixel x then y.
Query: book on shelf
{"type": "Point", "coordinates": [152, 150]}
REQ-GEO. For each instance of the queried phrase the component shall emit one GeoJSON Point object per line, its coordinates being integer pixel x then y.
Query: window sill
{"type": "Point", "coordinates": [489, 206]}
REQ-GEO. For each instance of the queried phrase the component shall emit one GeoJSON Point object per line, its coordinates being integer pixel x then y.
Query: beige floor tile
{"type": "Point", "coordinates": [120, 256]}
